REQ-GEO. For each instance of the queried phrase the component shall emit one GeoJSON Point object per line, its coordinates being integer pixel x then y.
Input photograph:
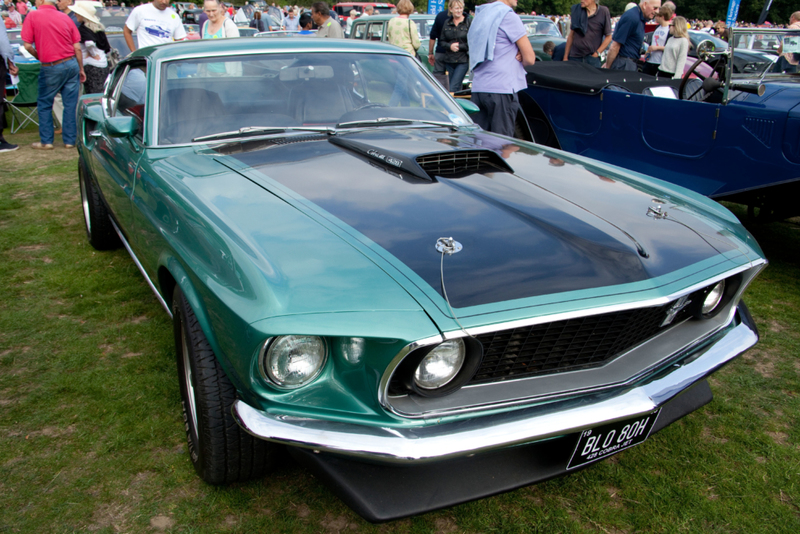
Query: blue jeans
{"type": "Point", "coordinates": [625, 63]}
{"type": "Point", "coordinates": [63, 78]}
{"type": "Point", "coordinates": [591, 60]}
{"type": "Point", "coordinates": [457, 72]}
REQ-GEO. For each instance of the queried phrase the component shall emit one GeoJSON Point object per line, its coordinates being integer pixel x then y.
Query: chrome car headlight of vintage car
{"type": "Point", "coordinates": [441, 365]}
{"type": "Point", "coordinates": [290, 362]}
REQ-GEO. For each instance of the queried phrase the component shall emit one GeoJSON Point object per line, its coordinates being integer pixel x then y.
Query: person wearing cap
{"type": "Point", "coordinates": [52, 38]}
{"type": "Point", "coordinates": [94, 47]}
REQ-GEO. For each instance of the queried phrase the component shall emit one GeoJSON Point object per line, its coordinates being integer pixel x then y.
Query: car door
{"type": "Point", "coordinates": [118, 157]}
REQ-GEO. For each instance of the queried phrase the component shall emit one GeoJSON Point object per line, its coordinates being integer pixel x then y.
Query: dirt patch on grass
{"type": "Point", "coordinates": [763, 362]}
{"type": "Point", "coordinates": [614, 495]}
{"type": "Point", "coordinates": [445, 525]}
{"type": "Point", "coordinates": [162, 522]}
{"type": "Point", "coordinates": [710, 438]}
{"type": "Point", "coordinates": [332, 524]}
{"type": "Point", "coordinates": [780, 438]}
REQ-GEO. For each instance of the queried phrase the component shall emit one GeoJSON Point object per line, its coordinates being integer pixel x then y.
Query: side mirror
{"type": "Point", "coordinates": [468, 105]}
{"type": "Point", "coordinates": [121, 126]}
{"type": "Point", "coordinates": [94, 112]}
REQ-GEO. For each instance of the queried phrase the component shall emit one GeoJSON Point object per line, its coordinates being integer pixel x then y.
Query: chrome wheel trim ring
{"type": "Point", "coordinates": [187, 379]}
{"type": "Point", "coordinates": [85, 203]}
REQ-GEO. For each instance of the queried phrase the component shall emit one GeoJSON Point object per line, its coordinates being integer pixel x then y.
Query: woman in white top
{"type": "Point", "coordinates": [676, 50]}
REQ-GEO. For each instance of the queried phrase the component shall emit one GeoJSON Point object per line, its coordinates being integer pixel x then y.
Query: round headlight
{"type": "Point", "coordinates": [293, 361]}
{"type": "Point", "coordinates": [441, 365]}
{"type": "Point", "coordinates": [713, 298]}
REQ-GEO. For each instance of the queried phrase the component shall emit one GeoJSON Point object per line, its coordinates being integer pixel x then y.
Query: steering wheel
{"type": "Point", "coordinates": [704, 50]}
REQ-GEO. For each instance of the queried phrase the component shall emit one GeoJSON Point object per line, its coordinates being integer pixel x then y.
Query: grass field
{"type": "Point", "coordinates": [91, 437]}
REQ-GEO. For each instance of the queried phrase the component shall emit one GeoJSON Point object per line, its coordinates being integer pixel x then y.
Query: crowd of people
{"type": "Point", "coordinates": [69, 41]}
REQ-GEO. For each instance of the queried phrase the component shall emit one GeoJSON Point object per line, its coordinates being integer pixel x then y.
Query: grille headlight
{"type": "Point", "coordinates": [294, 361]}
{"type": "Point", "coordinates": [441, 365]}
{"type": "Point", "coordinates": [713, 298]}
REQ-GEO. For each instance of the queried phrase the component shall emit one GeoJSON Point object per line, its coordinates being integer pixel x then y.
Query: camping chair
{"type": "Point", "coordinates": [23, 106]}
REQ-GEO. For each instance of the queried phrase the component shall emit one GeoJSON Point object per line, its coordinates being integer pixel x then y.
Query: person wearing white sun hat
{"type": "Point", "coordinates": [94, 46]}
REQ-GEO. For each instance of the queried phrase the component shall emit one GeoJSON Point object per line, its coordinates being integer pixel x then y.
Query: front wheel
{"type": "Point", "coordinates": [99, 230]}
{"type": "Point", "coordinates": [220, 450]}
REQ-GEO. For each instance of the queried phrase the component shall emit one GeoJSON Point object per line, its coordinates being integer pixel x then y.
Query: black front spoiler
{"type": "Point", "coordinates": [383, 492]}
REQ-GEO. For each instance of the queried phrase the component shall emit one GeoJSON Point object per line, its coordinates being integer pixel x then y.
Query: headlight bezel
{"type": "Point", "coordinates": [402, 381]}
{"type": "Point", "coordinates": [265, 367]}
{"type": "Point", "coordinates": [730, 288]}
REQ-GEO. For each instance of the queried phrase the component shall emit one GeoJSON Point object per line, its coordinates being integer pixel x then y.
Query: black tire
{"type": "Point", "coordinates": [99, 230]}
{"type": "Point", "coordinates": [220, 450]}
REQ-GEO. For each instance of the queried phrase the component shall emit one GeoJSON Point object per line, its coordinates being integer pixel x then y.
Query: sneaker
{"type": "Point", "coordinates": [40, 146]}
{"type": "Point", "coordinates": [7, 147]}
{"type": "Point", "coordinates": [69, 146]}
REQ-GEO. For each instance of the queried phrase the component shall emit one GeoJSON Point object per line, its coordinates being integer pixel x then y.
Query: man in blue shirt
{"type": "Point", "coordinates": [629, 36]}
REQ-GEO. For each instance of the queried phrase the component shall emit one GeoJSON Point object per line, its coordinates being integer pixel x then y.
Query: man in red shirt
{"type": "Point", "coordinates": [58, 47]}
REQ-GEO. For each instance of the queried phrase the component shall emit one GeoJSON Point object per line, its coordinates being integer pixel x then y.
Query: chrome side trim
{"type": "Point", "coordinates": [480, 434]}
{"type": "Point", "coordinates": [141, 269]}
{"type": "Point", "coordinates": [383, 396]}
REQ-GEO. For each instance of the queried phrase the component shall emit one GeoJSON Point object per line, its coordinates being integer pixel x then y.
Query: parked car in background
{"type": "Point", "coordinates": [540, 30]}
{"type": "Point", "coordinates": [357, 272]}
{"type": "Point", "coordinates": [191, 16]}
{"type": "Point", "coordinates": [374, 29]}
{"type": "Point", "coordinates": [737, 139]}
{"type": "Point", "coordinates": [180, 7]}
{"type": "Point", "coordinates": [343, 9]}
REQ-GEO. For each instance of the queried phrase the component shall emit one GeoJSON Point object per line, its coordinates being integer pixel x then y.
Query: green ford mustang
{"type": "Point", "coordinates": [422, 312]}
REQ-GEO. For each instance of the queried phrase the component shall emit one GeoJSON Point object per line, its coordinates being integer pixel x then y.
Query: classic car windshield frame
{"type": "Point", "coordinates": [199, 96]}
{"type": "Point", "coordinates": [767, 75]}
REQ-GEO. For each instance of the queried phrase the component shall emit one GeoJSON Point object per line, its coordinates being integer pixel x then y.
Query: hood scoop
{"type": "Point", "coordinates": [460, 163]}
{"type": "Point", "coordinates": [454, 163]}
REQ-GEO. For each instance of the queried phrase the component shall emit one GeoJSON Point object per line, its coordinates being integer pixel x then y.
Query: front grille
{"type": "Point", "coordinates": [567, 345]}
{"type": "Point", "coordinates": [459, 163]}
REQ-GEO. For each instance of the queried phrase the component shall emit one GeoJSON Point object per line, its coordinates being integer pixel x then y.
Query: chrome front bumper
{"type": "Point", "coordinates": [480, 434]}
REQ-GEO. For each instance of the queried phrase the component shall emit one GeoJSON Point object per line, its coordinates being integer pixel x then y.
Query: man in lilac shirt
{"type": "Point", "coordinates": [499, 50]}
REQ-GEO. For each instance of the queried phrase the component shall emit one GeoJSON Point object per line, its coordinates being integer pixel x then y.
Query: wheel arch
{"type": "Point", "coordinates": [541, 130]}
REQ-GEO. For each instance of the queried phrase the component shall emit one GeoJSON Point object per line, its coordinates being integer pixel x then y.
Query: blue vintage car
{"type": "Point", "coordinates": [357, 272]}
{"type": "Point", "coordinates": [739, 141]}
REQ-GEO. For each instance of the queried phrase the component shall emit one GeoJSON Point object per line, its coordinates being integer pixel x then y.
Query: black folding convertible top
{"type": "Point", "coordinates": [582, 78]}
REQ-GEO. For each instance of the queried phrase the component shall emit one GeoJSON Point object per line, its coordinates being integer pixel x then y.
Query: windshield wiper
{"type": "Point", "coordinates": [262, 130]}
{"type": "Point", "coordinates": [394, 120]}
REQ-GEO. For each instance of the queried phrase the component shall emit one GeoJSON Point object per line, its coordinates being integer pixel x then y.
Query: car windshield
{"type": "Point", "coordinates": [542, 27]}
{"type": "Point", "coordinates": [204, 97]}
{"type": "Point", "coordinates": [759, 47]}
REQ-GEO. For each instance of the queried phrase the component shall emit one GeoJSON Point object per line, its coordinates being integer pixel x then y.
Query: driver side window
{"type": "Point", "coordinates": [132, 96]}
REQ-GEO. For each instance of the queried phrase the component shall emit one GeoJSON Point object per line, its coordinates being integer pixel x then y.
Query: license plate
{"type": "Point", "coordinates": [601, 442]}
